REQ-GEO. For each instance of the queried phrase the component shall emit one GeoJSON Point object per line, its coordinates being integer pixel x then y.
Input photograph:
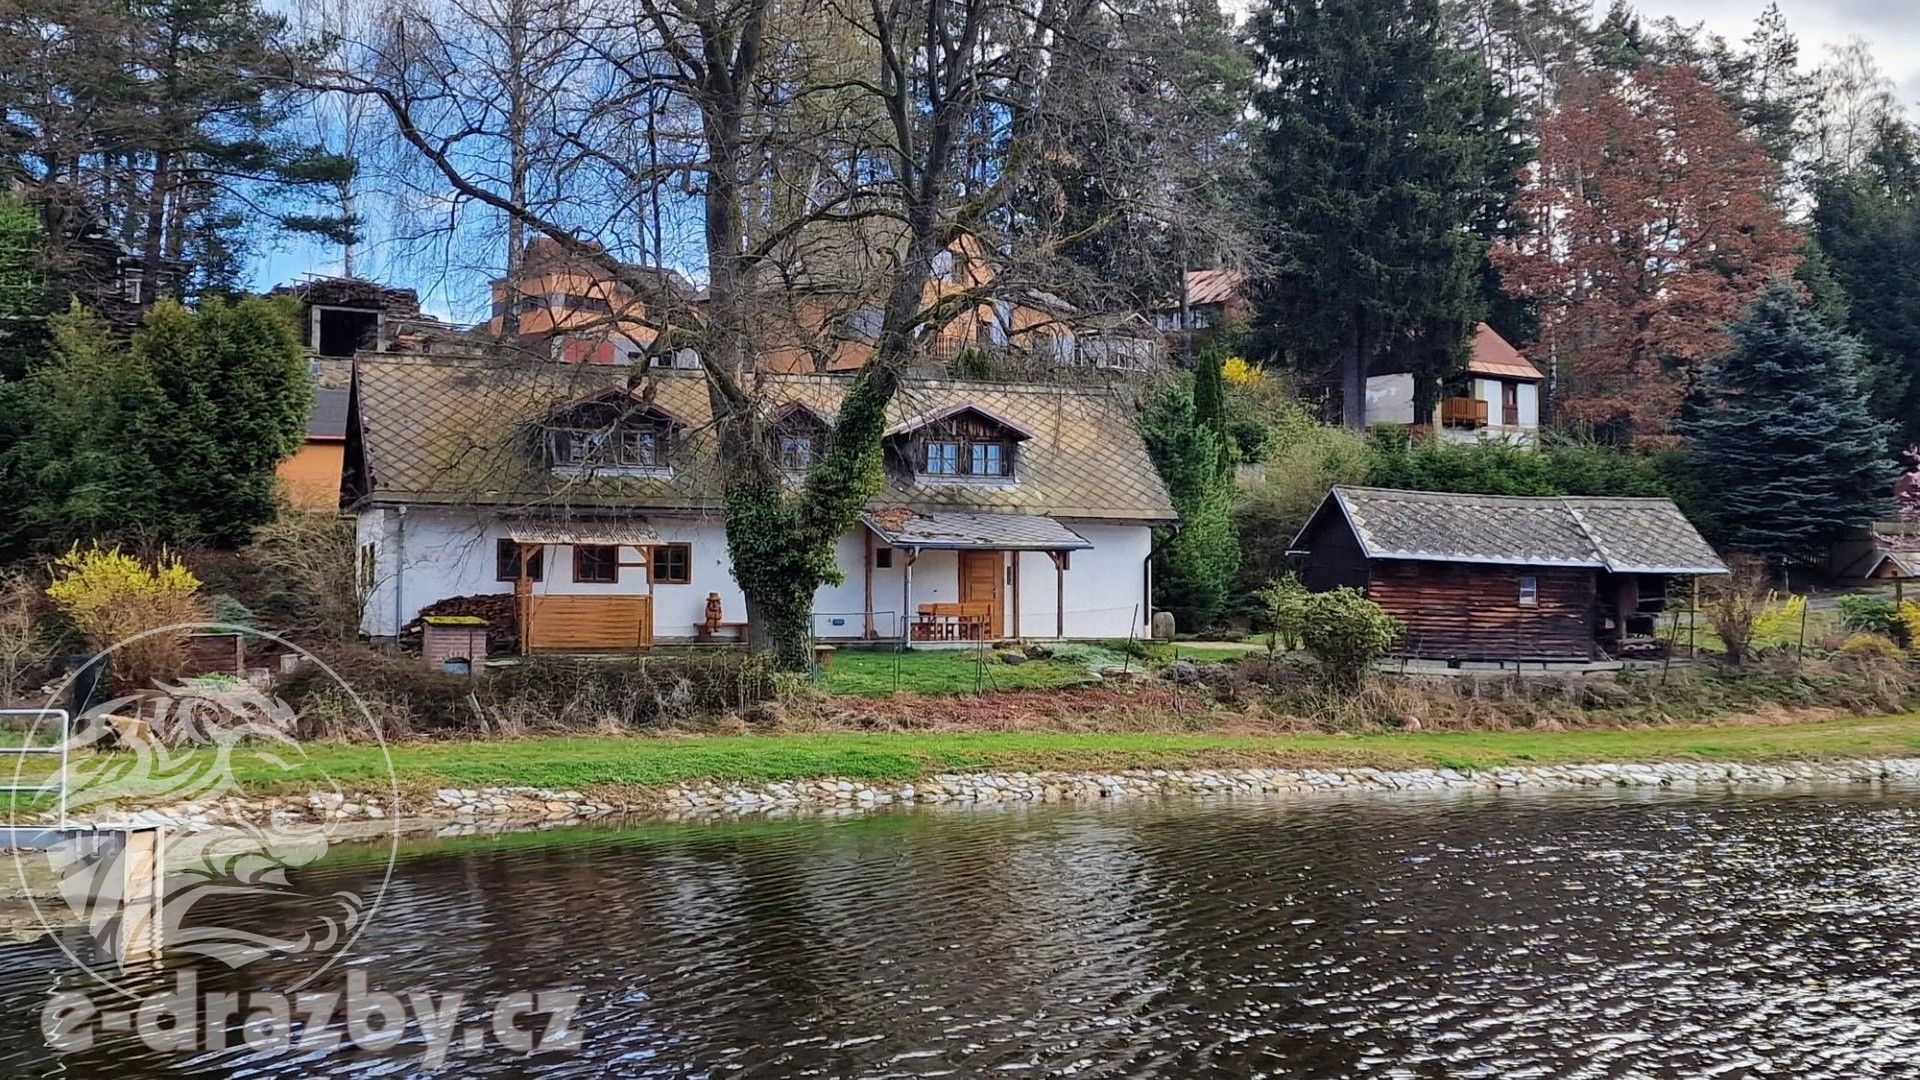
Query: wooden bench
{"type": "Point", "coordinates": [720, 630]}
{"type": "Point", "coordinates": [966, 621]}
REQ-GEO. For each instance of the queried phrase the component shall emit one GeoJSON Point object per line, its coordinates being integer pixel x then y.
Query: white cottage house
{"type": "Point", "coordinates": [1497, 398]}
{"type": "Point", "coordinates": [1009, 511]}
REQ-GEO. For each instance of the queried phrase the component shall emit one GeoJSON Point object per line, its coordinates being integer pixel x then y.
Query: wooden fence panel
{"type": "Point", "coordinates": [590, 623]}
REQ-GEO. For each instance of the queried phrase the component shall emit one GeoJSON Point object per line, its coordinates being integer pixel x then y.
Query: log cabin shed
{"type": "Point", "coordinates": [1506, 578]}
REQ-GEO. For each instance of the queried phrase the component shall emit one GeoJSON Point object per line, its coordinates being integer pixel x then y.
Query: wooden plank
{"type": "Point", "coordinates": [590, 623]}
{"type": "Point", "coordinates": [1473, 612]}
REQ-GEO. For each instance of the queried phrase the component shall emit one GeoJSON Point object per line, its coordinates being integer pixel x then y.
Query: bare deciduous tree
{"type": "Point", "coordinates": [848, 150]}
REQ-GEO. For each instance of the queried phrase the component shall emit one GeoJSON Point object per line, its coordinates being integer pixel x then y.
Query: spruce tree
{"type": "Point", "coordinates": [1782, 433]}
{"type": "Point", "coordinates": [1384, 150]}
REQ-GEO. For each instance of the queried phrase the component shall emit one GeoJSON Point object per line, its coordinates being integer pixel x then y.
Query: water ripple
{"type": "Point", "coordinates": [1560, 936]}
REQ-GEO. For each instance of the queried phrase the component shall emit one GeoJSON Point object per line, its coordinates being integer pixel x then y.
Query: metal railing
{"type": "Point", "coordinates": [59, 786]}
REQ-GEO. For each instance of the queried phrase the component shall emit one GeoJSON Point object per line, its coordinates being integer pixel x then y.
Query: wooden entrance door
{"type": "Point", "coordinates": [983, 580]}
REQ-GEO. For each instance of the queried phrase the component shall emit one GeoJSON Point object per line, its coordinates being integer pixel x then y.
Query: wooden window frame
{"type": "Point", "coordinates": [810, 442]}
{"type": "Point", "coordinates": [1529, 591]}
{"type": "Point", "coordinates": [963, 458]}
{"type": "Point", "coordinates": [586, 448]}
{"type": "Point", "coordinates": [654, 555]}
{"type": "Point", "coordinates": [613, 564]}
{"type": "Point", "coordinates": [506, 561]}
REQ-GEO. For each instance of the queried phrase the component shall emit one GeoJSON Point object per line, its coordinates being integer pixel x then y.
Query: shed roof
{"type": "Point", "coordinates": [1002, 532]}
{"type": "Point", "coordinates": [328, 420]}
{"type": "Point", "coordinates": [464, 432]}
{"type": "Point", "coordinates": [1623, 535]}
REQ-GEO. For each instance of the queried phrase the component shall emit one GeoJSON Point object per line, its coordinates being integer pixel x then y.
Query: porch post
{"type": "Point", "coordinates": [523, 589]}
{"type": "Point", "coordinates": [866, 623]}
{"type": "Point", "coordinates": [906, 592]}
{"type": "Point", "coordinates": [1015, 555]}
{"type": "Point", "coordinates": [1059, 593]}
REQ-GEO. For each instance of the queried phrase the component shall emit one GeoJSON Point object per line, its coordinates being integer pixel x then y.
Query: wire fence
{"type": "Point", "coordinates": [892, 631]}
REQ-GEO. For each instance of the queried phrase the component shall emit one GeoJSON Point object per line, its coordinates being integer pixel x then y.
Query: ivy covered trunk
{"type": "Point", "coordinates": [783, 542]}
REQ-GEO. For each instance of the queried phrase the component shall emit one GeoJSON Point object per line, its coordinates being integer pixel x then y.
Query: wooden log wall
{"type": "Point", "coordinates": [1466, 611]}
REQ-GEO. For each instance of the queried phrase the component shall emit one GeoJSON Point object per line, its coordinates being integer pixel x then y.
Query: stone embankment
{"type": "Point", "coordinates": [496, 807]}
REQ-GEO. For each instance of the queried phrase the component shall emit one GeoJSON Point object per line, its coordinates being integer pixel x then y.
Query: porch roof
{"type": "Point", "coordinates": [955, 531]}
{"type": "Point", "coordinates": [631, 532]}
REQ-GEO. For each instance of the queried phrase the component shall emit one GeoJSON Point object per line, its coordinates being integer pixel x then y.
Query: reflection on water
{"type": "Point", "coordinates": [1538, 936]}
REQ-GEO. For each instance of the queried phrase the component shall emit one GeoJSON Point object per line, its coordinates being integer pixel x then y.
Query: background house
{"type": "Point", "coordinates": [1008, 510]}
{"type": "Point", "coordinates": [1491, 577]}
{"type": "Point", "coordinates": [579, 312]}
{"type": "Point", "coordinates": [312, 474]}
{"type": "Point", "coordinates": [1497, 397]}
{"type": "Point", "coordinates": [1213, 301]}
{"type": "Point", "coordinates": [339, 316]}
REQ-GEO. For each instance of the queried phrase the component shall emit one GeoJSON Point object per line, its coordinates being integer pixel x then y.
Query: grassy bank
{"type": "Point", "coordinates": [659, 761]}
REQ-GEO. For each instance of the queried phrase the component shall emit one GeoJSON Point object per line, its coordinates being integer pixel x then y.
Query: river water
{"type": "Point", "coordinates": [1543, 935]}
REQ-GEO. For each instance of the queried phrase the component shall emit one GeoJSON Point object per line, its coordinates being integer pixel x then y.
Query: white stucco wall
{"type": "Point", "coordinates": [428, 554]}
{"type": "Point", "coordinates": [1390, 401]}
{"type": "Point", "coordinates": [1525, 433]}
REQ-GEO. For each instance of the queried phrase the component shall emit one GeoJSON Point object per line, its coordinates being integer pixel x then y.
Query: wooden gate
{"type": "Point", "coordinates": [589, 623]}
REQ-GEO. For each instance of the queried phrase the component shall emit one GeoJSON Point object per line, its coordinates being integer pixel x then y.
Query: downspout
{"type": "Point", "coordinates": [399, 569]}
{"type": "Point", "coordinates": [1146, 568]}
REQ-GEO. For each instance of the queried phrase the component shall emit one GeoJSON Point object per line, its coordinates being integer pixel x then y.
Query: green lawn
{"type": "Point", "coordinates": [660, 761]}
{"type": "Point", "coordinates": [940, 671]}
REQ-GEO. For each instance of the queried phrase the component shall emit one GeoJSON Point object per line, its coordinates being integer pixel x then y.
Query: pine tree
{"type": "Point", "coordinates": [1382, 155]}
{"type": "Point", "coordinates": [1783, 435]}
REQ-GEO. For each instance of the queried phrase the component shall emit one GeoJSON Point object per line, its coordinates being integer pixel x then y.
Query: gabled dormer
{"type": "Point", "coordinates": [963, 443]}
{"type": "Point", "coordinates": [799, 434]}
{"type": "Point", "coordinates": [611, 432]}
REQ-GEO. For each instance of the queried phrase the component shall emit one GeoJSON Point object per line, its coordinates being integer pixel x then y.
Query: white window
{"type": "Point", "coordinates": [1529, 590]}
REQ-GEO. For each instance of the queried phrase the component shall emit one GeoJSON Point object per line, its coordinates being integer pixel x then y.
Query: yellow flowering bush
{"type": "Point", "coordinates": [1235, 371]}
{"type": "Point", "coordinates": [1909, 619]}
{"type": "Point", "coordinates": [112, 597]}
{"type": "Point", "coordinates": [1778, 621]}
{"type": "Point", "coordinates": [1868, 644]}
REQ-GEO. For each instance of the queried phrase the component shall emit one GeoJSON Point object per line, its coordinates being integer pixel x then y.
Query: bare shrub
{"type": "Point", "coordinates": [306, 580]}
{"type": "Point", "coordinates": [26, 643]}
{"type": "Point", "coordinates": [1734, 603]}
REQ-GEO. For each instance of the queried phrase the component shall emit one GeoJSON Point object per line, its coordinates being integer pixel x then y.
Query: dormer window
{"type": "Point", "coordinates": [799, 437]}
{"type": "Point", "coordinates": [797, 452]}
{"type": "Point", "coordinates": [963, 442]}
{"type": "Point", "coordinates": [612, 433]}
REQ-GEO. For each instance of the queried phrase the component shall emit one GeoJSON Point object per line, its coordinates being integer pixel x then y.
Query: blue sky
{"type": "Point", "coordinates": [1891, 26]}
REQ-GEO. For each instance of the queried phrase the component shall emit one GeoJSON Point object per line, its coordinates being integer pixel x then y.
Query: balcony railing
{"type": "Point", "coordinates": [1463, 412]}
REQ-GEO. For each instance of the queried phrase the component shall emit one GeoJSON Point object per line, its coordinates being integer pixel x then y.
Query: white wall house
{"type": "Point", "coordinates": [1009, 511]}
{"type": "Point", "coordinates": [1498, 399]}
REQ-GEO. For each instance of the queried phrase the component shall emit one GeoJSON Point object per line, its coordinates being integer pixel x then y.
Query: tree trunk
{"type": "Point", "coordinates": [1353, 376]}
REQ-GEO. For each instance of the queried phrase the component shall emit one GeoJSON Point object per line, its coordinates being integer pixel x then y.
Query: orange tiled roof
{"type": "Point", "coordinates": [1494, 358]}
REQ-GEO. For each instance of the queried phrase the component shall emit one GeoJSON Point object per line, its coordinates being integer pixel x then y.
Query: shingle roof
{"type": "Point", "coordinates": [1026, 532]}
{"type": "Point", "coordinates": [454, 432]}
{"type": "Point", "coordinates": [328, 420]}
{"type": "Point", "coordinates": [1623, 535]}
{"type": "Point", "coordinates": [1211, 286]}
